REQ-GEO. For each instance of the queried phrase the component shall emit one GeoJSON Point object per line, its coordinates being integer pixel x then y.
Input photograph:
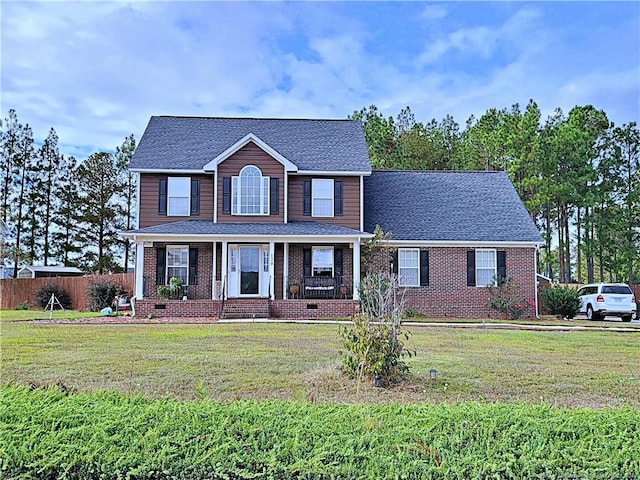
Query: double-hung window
{"type": "Point", "coordinates": [409, 267]}
{"type": "Point", "coordinates": [322, 202]}
{"type": "Point", "coordinates": [322, 262]}
{"type": "Point", "coordinates": [486, 267]}
{"type": "Point", "coordinates": [178, 194]}
{"type": "Point", "coordinates": [178, 263]}
{"type": "Point", "coordinates": [250, 192]}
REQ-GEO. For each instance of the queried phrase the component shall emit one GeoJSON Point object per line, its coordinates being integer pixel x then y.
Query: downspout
{"type": "Point", "coordinates": [535, 279]}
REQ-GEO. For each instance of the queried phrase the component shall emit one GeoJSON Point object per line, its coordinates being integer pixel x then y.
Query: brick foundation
{"type": "Point", "coordinates": [177, 308]}
{"type": "Point", "coordinates": [312, 309]}
{"type": "Point", "coordinates": [286, 309]}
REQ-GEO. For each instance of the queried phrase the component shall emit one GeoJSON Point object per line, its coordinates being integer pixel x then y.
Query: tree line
{"type": "Point", "coordinates": [578, 175]}
{"type": "Point", "coordinates": [56, 210]}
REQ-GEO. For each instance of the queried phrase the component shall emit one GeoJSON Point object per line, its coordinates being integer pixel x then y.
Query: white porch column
{"type": "Point", "coordinates": [139, 293]}
{"type": "Point", "coordinates": [272, 270]}
{"type": "Point", "coordinates": [214, 292]}
{"type": "Point", "coordinates": [225, 269]}
{"type": "Point", "coordinates": [356, 270]}
{"type": "Point", "coordinates": [285, 272]}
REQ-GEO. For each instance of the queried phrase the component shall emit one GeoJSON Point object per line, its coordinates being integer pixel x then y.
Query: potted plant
{"type": "Point", "coordinates": [167, 292]}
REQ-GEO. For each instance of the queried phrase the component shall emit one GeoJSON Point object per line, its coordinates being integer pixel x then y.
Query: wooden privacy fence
{"type": "Point", "coordinates": [14, 291]}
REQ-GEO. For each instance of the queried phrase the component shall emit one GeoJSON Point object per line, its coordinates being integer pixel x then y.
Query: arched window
{"type": "Point", "coordinates": [250, 192]}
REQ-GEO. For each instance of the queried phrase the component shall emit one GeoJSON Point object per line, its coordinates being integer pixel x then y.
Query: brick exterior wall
{"type": "Point", "coordinates": [448, 294]}
{"type": "Point", "coordinates": [296, 267]}
{"type": "Point", "coordinates": [314, 309]}
{"type": "Point", "coordinates": [177, 308]}
{"type": "Point", "coordinates": [201, 291]}
{"type": "Point", "coordinates": [283, 309]}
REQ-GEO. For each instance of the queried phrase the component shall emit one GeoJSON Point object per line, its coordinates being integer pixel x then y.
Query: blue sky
{"type": "Point", "coordinates": [96, 71]}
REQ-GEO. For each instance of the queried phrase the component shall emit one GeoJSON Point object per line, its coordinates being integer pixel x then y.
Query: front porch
{"type": "Point", "coordinates": [227, 270]}
{"type": "Point", "coordinates": [248, 279]}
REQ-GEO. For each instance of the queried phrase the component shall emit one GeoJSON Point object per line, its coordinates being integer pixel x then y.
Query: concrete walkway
{"type": "Point", "coordinates": [615, 326]}
{"type": "Point", "coordinates": [485, 325]}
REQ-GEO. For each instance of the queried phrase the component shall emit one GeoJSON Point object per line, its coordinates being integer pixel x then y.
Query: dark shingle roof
{"type": "Point", "coordinates": [447, 206]}
{"type": "Point", "coordinates": [191, 142]}
{"type": "Point", "coordinates": [206, 227]}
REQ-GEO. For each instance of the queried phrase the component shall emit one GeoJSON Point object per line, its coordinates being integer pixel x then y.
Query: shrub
{"type": "Point", "coordinates": [43, 296]}
{"type": "Point", "coordinates": [506, 299]}
{"type": "Point", "coordinates": [374, 344]}
{"type": "Point", "coordinates": [101, 293]}
{"type": "Point", "coordinates": [23, 306]}
{"type": "Point", "coordinates": [560, 300]}
{"type": "Point", "coordinates": [55, 432]}
{"type": "Point", "coordinates": [372, 348]}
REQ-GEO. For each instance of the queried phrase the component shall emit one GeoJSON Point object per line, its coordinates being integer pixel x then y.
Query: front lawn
{"type": "Point", "coordinates": [25, 315]}
{"type": "Point", "coordinates": [296, 361]}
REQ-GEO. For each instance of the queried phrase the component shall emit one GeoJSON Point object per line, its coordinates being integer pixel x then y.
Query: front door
{"type": "Point", "coordinates": [249, 270]}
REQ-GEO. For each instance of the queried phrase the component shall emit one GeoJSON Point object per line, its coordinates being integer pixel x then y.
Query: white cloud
{"type": "Point", "coordinates": [482, 40]}
{"type": "Point", "coordinates": [434, 12]}
{"type": "Point", "coordinates": [97, 71]}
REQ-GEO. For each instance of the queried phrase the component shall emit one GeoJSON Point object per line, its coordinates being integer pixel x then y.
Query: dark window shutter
{"type": "Point", "coordinates": [337, 200]}
{"type": "Point", "coordinates": [195, 196]}
{"type": "Point", "coordinates": [162, 197]}
{"type": "Point", "coordinates": [161, 264]}
{"type": "Point", "coordinates": [274, 208]}
{"type": "Point", "coordinates": [337, 263]}
{"type": "Point", "coordinates": [193, 266]}
{"type": "Point", "coordinates": [394, 262]}
{"type": "Point", "coordinates": [306, 262]}
{"type": "Point", "coordinates": [226, 195]}
{"type": "Point", "coordinates": [424, 268]}
{"type": "Point", "coordinates": [306, 197]}
{"type": "Point", "coordinates": [471, 268]}
{"type": "Point", "coordinates": [502, 265]}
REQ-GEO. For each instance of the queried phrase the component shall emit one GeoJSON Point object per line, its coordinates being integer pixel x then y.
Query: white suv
{"type": "Point", "coordinates": [598, 300]}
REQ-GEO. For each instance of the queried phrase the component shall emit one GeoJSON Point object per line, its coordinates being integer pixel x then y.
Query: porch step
{"type": "Point", "coordinates": [246, 308]}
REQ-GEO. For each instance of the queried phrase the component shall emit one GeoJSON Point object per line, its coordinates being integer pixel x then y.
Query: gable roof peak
{"type": "Point", "coordinates": [310, 145]}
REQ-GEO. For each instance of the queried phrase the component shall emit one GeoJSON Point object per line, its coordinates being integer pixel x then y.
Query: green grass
{"type": "Point", "coordinates": [545, 320]}
{"type": "Point", "coordinates": [24, 315]}
{"type": "Point", "coordinates": [299, 362]}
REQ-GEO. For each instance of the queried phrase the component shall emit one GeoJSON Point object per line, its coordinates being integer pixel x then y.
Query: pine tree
{"type": "Point", "coordinates": [66, 237]}
{"type": "Point", "coordinates": [129, 185]}
{"type": "Point", "coordinates": [102, 214]}
{"type": "Point", "coordinates": [21, 163]}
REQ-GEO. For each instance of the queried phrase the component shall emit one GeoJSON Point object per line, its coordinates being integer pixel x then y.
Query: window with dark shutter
{"type": "Point", "coordinates": [337, 195]}
{"type": "Point", "coordinates": [274, 200]}
{"type": "Point", "coordinates": [226, 195]}
{"type": "Point", "coordinates": [306, 197]}
{"type": "Point", "coordinates": [424, 268]}
{"type": "Point", "coordinates": [306, 262]}
{"type": "Point", "coordinates": [193, 266]}
{"type": "Point", "coordinates": [161, 264]}
{"type": "Point", "coordinates": [195, 196]}
{"type": "Point", "coordinates": [162, 196]}
{"type": "Point", "coordinates": [502, 265]}
{"type": "Point", "coordinates": [471, 268]}
{"type": "Point", "coordinates": [394, 262]}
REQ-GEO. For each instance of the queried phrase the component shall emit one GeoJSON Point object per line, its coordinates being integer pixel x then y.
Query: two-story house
{"type": "Point", "coordinates": [266, 217]}
{"type": "Point", "coordinates": [240, 210]}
